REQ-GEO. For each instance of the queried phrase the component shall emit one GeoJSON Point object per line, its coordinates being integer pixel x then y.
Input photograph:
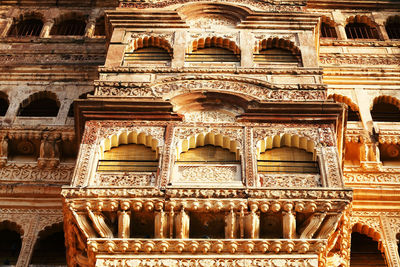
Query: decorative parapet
{"type": "Point", "coordinates": [124, 179]}
{"type": "Point", "coordinates": [290, 180]}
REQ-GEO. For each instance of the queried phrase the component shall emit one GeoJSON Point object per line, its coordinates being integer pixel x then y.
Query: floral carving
{"type": "Point", "coordinates": [208, 117]}
{"type": "Point", "coordinates": [289, 180]}
{"type": "Point", "coordinates": [359, 60]}
{"type": "Point", "coordinates": [124, 179]}
{"type": "Point", "coordinates": [206, 174]}
{"type": "Point", "coordinates": [372, 178]}
{"type": "Point", "coordinates": [30, 172]}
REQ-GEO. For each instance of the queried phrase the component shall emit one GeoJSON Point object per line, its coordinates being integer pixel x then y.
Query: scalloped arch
{"type": "Point", "coordinates": [149, 41]}
{"type": "Point", "coordinates": [344, 99]}
{"type": "Point", "coordinates": [210, 138]}
{"type": "Point", "coordinates": [328, 21]}
{"type": "Point", "coordinates": [129, 137]}
{"type": "Point", "coordinates": [385, 99]}
{"type": "Point", "coordinates": [290, 140]}
{"type": "Point", "coordinates": [370, 232]}
{"type": "Point", "coordinates": [213, 42]}
{"type": "Point", "coordinates": [277, 43]}
{"type": "Point", "coordinates": [361, 19]}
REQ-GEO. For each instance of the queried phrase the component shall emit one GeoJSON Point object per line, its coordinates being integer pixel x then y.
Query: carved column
{"type": "Point", "coordinates": [45, 33]}
{"type": "Point", "coordinates": [161, 224]}
{"type": "Point", "coordinates": [166, 163]}
{"type": "Point", "coordinates": [392, 256]}
{"type": "Point", "coordinates": [289, 224]}
{"type": "Point", "coordinates": [3, 150]}
{"type": "Point", "coordinates": [230, 225]}
{"type": "Point", "coordinates": [28, 242]}
{"type": "Point", "coordinates": [124, 220]}
{"type": "Point", "coordinates": [249, 159]}
{"type": "Point", "coordinates": [252, 223]}
{"type": "Point", "coordinates": [90, 28]}
{"type": "Point", "coordinates": [182, 224]}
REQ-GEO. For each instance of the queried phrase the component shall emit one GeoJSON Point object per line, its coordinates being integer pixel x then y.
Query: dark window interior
{"type": "Point", "coordinates": [385, 112]}
{"type": "Point", "coordinates": [328, 31]}
{"type": "Point", "coordinates": [42, 107]}
{"type": "Point", "coordinates": [50, 248]}
{"type": "Point", "coordinates": [364, 252]}
{"type": "Point", "coordinates": [10, 246]}
{"type": "Point", "coordinates": [69, 27]}
{"type": "Point", "coordinates": [26, 28]}
{"type": "Point", "coordinates": [361, 31]}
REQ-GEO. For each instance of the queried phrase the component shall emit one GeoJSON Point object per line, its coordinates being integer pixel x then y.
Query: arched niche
{"type": "Point", "coordinates": [328, 28]}
{"type": "Point", "coordinates": [10, 242]}
{"type": "Point", "coordinates": [361, 27]}
{"type": "Point", "coordinates": [71, 24]}
{"type": "Point", "coordinates": [386, 108]}
{"type": "Point", "coordinates": [286, 153]}
{"type": "Point", "coordinates": [366, 247]}
{"type": "Point", "coordinates": [392, 27]}
{"type": "Point", "coordinates": [205, 139]}
{"type": "Point", "coordinates": [40, 104]}
{"type": "Point", "coordinates": [213, 49]}
{"type": "Point", "coordinates": [27, 25]}
{"type": "Point", "coordinates": [49, 249]}
{"type": "Point", "coordinates": [277, 50]}
{"type": "Point", "coordinates": [148, 48]}
{"type": "Point", "coordinates": [353, 113]}
{"type": "Point", "coordinates": [4, 103]}
{"type": "Point", "coordinates": [129, 152]}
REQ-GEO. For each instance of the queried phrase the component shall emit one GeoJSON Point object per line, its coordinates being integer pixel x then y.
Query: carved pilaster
{"type": "Point", "coordinates": [289, 224]}
{"type": "Point", "coordinates": [231, 225]}
{"type": "Point", "coordinates": [161, 224]}
{"type": "Point", "coordinates": [389, 229]}
{"type": "Point", "coordinates": [182, 221]}
{"type": "Point", "coordinates": [166, 156]}
{"type": "Point", "coordinates": [124, 220]}
{"type": "Point", "coordinates": [250, 160]}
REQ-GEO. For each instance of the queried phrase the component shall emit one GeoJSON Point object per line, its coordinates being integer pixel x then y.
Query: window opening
{"type": "Point", "coordinates": [357, 30]}
{"type": "Point", "coordinates": [69, 27]}
{"type": "Point", "coordinates": [328, 31]}
{"type": "Point", "coordinates": [27, 28]}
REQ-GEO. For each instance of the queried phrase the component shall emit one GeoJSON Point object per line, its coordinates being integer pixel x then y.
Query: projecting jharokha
{"type": "Point", "coordinates": [199, 133]}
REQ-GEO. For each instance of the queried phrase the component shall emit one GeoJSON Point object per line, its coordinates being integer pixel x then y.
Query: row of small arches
{"type": "Point", "coordinates": [73, 24]}
{"type": "Point", "coordinates": [39, 104]}
{"type": "Point", "coordinates": [212, 49]}
{"type": "Point", "coordinates": [361, 27]}
{"type": "Point", "coordinates": [132, 151]}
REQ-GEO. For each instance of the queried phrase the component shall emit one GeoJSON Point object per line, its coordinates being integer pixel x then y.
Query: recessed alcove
{"type": "Point", "coordinates": [142, 224]}
{"type": "Point", "coordinates": [207, 225]}
{"type": "Point", "coordinates": [10, 243]}
{"type": "Point", "coordinates": [23, 150]}
{"type": "Point", "coordinates": [271, 225]}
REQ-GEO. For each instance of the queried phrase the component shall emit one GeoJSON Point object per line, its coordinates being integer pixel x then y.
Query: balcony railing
{"type": "Point", "coordinates": [127, 165]}
{"type": "Point", "coordinates": [287, 166]}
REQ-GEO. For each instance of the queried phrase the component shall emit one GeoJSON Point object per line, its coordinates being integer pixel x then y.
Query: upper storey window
{"type": "Point", "coordinates": [208, 154]}
{"type": "Point", "coordinates": [71, 27]}
{"type": "Point", "coordinates": [393, 27]}
{"type": "Point", "coordinates": [143, 50]}
{"type": "Point", "coordinates": [41, 104]}
{"type": "Point", "coordinates": [287, 154]}
{"type": "Point", "coordinates": [27, 28]}
{"type": "Point", "coordinates": [328, 29]}
{"type": "Point", "coordinates": [277, 51]}
{"type": "Point", "coordinates": [129, 158]}
{"type": "Point", "coordinates": [384, 110]}
{"type": "Point", "coordinates": [361, 28]}
{"type": "Point", "coordinates": [213, 50]}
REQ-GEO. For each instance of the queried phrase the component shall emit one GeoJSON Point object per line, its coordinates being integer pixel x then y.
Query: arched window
{"type": "Point", "coordinates": [364, 252]}
{"type": "Point", "coordinates": [129, 158]}
{"type": "Point", "coordinates": [71, 27]}
{"type": "Point", "coordinates": [277, 51]}
{"type": "Point", "coordinates": [208, 154]}
{"type": "Point", "coordinates": [41, 104]}
{"type": "Point", "coordinates": [213, 50]}
{"type": "Point", "coordinates": [10, 243]}
{"type": "Point", "coordinates": [100, 27]}
{"type": "Point", "coordinates": [26, 28]}
{"type": "Point", "coordinates": [393, 27]}
{"type": "Point", "coordinates": [50, 247]}
{"type": "Point", "coordinates": [287, 154]}
{"type": "Point", "coordinates": [328, 29]}
{"type": "Point", "coordinates": [4, 103]}
{"type": "Point", "coordinates": [148, 49]}
{"type": "Point", "coordinates": [361, 27]}
{"type": "Point", "coordinates": [353, 113]}
{"type": "Point", "coordinates": [386, 109]}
